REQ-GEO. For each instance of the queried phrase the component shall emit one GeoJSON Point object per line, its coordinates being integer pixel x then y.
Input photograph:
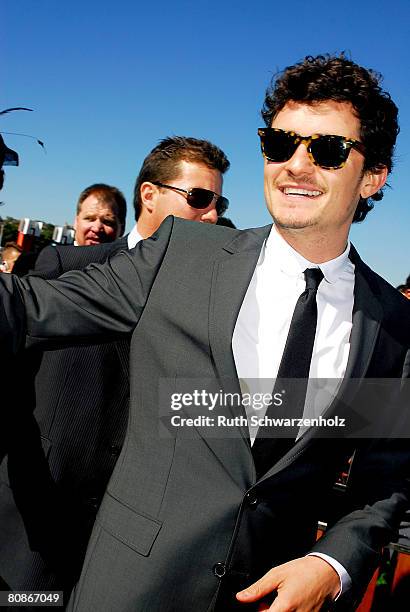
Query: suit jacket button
{"type": "Point", "coordinates": [251, 499]}
{"type": "Point", "coordinates": [219, 569]}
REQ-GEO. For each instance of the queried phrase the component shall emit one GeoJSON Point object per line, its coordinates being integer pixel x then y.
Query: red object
{"type": "Point", "coordinates": [25, 241]}
{"type": "Point", "coordinates": [28, 231]}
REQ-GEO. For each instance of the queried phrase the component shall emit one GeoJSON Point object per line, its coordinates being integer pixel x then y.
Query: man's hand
{"type": "Point", "coordinates": [302, 585]}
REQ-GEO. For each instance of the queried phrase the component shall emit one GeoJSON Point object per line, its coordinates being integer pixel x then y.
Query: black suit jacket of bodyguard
{"type": "Point", "coordinates": [81, 406]}
{"type": "Point", "coordinates": [184, 522]}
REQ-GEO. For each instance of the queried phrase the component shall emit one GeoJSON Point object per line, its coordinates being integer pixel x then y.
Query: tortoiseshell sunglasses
{"type": "Point", "coordinates": [325, 150]}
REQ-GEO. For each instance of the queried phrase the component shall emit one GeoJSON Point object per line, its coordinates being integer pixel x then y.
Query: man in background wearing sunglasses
{"type": "Point", "coordinates": [181, 177]}
{"type": "Point", "coordinates": [191, 517]}
{"type": "Point", "coordinates": [82, 393]}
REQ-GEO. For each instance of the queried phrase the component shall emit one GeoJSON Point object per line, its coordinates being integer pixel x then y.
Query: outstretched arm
{"type": "Point", "coordinates": [102, 300]}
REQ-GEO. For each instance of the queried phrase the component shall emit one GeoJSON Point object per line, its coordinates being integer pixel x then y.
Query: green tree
{"type": "Point", "coordinates": [10, 229]}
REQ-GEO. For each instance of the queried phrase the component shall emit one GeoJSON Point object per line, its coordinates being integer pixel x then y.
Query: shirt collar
{"type": "Point", "coordinates": [133, 237]}
{"type": "Point", "coordinates": [292, 263]}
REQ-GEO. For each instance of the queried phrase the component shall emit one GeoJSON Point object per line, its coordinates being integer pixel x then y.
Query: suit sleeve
{"type": "Point", "coordinates": [378, 490]}
{"type": "Point", "coordinates": [103, 300]}
{"type": "Point", "coordinates": [378, 496]}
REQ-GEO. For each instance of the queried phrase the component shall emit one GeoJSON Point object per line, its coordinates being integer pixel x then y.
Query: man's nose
{"type": "Point", "coordinates": [211, 216]}
{"type": "Point", "coordinates": [97, 226]}
{"type": "Point", "coordinates": [300, 162]}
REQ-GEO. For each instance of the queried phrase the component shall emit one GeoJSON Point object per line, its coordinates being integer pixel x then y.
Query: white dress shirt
{"type": "Point", "coordinates": [263, 324]}
{"type": "Point", "coordinates": [133, 237]}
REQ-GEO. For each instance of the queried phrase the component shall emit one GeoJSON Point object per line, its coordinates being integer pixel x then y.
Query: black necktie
{"type": "Point", "coordinates": [269, 445]}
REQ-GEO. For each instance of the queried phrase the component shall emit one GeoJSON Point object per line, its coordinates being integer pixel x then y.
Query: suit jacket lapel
{"type": "Point", "coordinates": [231, 276]}
{"type": "Point", "coordinates": [367, 315]}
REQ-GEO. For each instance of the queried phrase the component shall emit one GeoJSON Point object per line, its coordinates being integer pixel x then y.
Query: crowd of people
{"type": "Point", "coordinates": [100, 218]}
{"type": "Point", "coordinates": [103, 499]}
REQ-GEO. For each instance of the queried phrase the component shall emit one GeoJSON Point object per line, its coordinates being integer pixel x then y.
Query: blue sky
{"type": "Point", "coordinates": [107, 80]}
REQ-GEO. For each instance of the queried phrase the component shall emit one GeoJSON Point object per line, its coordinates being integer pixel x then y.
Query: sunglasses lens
{"type": "Point", "coordinates": [200, 198]}
{"type": "Point", "coordinates": [329, 151]}
{"type": "Point", "coordinates": [278, 146]}
{"type": "Point", "coordinates": [221, 205]}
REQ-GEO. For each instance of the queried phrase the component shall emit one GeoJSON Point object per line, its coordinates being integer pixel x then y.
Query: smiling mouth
{"type": "Point", "coordinates": [296, 191]}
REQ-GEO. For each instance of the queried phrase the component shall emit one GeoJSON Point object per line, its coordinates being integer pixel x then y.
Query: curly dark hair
{"type": "Point", "coordinates": [337, 78]}
{"type": "Point", "coordinates": [162, 164]}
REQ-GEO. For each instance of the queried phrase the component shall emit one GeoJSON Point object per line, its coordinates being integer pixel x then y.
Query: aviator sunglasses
{"type": "Point", "coordinates": [325, 150]}
{"type": "Point", "coordinates": [200, 198]}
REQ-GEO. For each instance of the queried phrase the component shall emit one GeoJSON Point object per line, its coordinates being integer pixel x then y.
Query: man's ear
{"type": "Point", "coordinates": [75, 223]}
{"type": "Point", "coordinates": [373, 181]}
{"type": "Point", "coordinates": [148, 193]}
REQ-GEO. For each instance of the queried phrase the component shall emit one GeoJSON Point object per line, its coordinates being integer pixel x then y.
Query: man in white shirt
{"type": "Point", "coordinates": [190, 520]}
{"type": "Point", "coordinates": [195, 169]}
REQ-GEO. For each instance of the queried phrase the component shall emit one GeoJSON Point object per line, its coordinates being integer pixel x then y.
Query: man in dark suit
{"type": "Point", "coordinates": [81, 393]}
{"type": "Point", "coordinates": [75, 405]}
{"type": "Point", "coordinates": [191, 517]}
{"type": "Point", "coordinates": [79, 398]}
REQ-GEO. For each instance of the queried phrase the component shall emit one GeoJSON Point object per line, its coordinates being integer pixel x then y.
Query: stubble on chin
{"type": "Point", "coordinates": [292, 222]}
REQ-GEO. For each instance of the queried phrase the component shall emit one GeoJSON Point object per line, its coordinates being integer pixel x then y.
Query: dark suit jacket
{"type": "Point", "coordinates": [184, 522]}
{"type": "Point", "coordinates": [80, 404]}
